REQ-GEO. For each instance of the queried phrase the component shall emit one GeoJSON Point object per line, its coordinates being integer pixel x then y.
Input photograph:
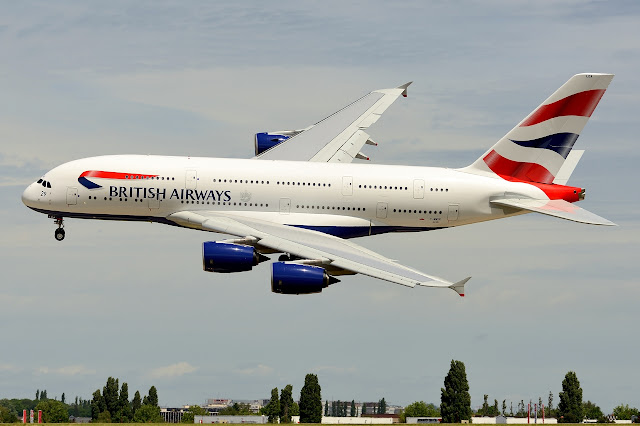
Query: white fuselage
{"type": "Point", "coordinates": [347, 200]}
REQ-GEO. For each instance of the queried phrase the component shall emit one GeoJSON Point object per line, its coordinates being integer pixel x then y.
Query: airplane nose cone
{"type": "Point", "coordinates": [27, 196]}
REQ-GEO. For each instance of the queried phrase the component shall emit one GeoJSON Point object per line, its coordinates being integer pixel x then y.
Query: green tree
{"type": "Point", "coordinates": [37, 394]}
{"type": "Point", "coordinates": [286, 401]}
{"type": "Point", "coordinates": [326, 408]}
{"type": "Point", "coordinates": [364, 408]}
{"type": "Point", "coordinates": [504, 407]}
{"type": "Point", "coordinates": [310, 400]}
{"type": "Point", "coordinates": [43, 395]}
{"type": "Point", "coordinates": [148, 414]}
{"type": "Point", "coordinates": [295, 409]}
{"type": "Point", "coordinates": [124, 414]}
{"type": "Point", "coordinates": [624, 412]}
{"type": "Point", "coordinates": [97, 405]}
{"type": "Point", "coordinates": [194, 410]}
{"type": "Point", "coordinates": [237, 409]}
{"type": "Point", "coordinates": [455, 403]}
{"type": "Point", "coordinates": [550, 405]}
{"type": "Point", "coordinates": [53, 411]}
{"type": "Point", "coordinates": [274, 406]}
{"type": "Point", "coordinates": [153, 396]}
{"type": "Point", "coordinates": [592, 411]}
{"type": "Point", "coordinates": [382, 406]}
{"type": "Point", "coordinates": [494, 410]}
{"type": "Point", "coordinates": [136, 403]}
{"type": "Point", "coordinates": [62, 398]}
{"type": "Point", "coordinates": [104, 417]}
{"type": "Point", "coordinates": [352, 412]}
{"type": "Point", "coordinates": [570, 406]}
{"type": "Point", "coordinates": [110, 395]}
{"type": "Point", "coordinates": [419, 409]}
{"type": "Point", "coordinates": [7, 416]}
{"type": "Point", "coordinates": [484, 411]}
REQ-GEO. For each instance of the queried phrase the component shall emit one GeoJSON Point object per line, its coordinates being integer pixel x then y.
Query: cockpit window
{"type": "Point", "coordinates": [48, 185]}
{"type": "Point", "coordinates": [39, 181]}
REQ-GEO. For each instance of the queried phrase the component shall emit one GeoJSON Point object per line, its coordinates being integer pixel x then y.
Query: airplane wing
{"type": "Point", "coordinates": [557, 208]}
{"type": "Point", "coordinates": [339, 137]}
{"type": "Point", "coordinates": [317, 248]}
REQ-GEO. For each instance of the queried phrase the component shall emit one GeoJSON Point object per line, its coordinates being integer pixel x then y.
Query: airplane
{"type": "Point", "coordinates": [302, 195]}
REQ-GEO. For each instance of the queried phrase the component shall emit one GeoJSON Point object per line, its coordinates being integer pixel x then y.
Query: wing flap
{"type": "Point", "coordinates": [557, 208]}
{"type": "Point", "coordinates": [308, 244]}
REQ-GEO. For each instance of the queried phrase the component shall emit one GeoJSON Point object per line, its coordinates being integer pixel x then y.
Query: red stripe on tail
{"type": "Point", "coordinates": [581, 104]}
{"type": "Point", "coordinates": [527, 172]}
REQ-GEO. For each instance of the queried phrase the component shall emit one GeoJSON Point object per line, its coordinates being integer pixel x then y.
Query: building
{"type": "Point", "coordinates": [416, 420]}
{"type": "Point", "coordinates": [351, 420]}
{"type": "Point", "coordinates": [173, 415]}
{"type": "Point", "coordinates": [231, 419]}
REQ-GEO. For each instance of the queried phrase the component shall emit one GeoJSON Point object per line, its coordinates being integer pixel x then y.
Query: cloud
{"type": "Point", "coordinates": [173, 370]}
{"type": "Point", "coordinates": [10, 368]}
{"type": "Point", "coordinates": [70, 370]}
{"type": "Point", "coordinates": [258, 370]}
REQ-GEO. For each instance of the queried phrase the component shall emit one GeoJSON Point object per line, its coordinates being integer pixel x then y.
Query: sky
{"type": "Point", "coordinates": [130, 300]}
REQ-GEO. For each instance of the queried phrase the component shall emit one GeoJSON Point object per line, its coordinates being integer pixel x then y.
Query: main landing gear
{"type": "Point", "coordinates": [59, 233]}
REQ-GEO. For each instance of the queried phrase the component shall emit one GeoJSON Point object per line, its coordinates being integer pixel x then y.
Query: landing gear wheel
{"type": "Point", "coordinates": [59, 234]}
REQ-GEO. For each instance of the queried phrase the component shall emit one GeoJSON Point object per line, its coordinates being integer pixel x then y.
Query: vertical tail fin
{"type": "Point", "coordinates": [535, 150]}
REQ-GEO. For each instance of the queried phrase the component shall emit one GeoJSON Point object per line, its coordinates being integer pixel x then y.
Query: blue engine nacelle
{"type": "Point", "coordinates": [265, 141]}
{"type": "Point", "coordinates": [294, 278]}
{"type": "Point", "coordinates": [227, 257]}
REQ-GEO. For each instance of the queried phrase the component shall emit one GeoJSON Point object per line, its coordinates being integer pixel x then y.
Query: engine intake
{"type": "Point", "coordinates": [227, 257]}
{"type": "Point", "coordinates": [295, 278]}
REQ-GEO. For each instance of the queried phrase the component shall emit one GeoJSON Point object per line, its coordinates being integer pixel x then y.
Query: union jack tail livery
{"type": "Point", "coordinates": [536, 149]}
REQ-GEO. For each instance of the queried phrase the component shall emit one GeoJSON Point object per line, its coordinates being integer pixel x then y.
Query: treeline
{"type": "Point", "coordinates": [282, 407]}
{"type": "Point", "coordinates": [11, 409]}
{"type": "Point", "coordinates": [112, 405]}
{"type": "Point", "coordinates": [455, 403]}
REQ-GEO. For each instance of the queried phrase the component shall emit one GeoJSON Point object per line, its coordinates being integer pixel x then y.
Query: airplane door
{"type": "Point", "coordinates": [418, 188]}
{"type": "Point", "coordinates": [191, 179]}
{"type": "Point", "coordinates": [454, 210]}
{"type": "Point", "coordinates": [285, 205]}
{"type": "Point", "coordinates": [347, 185]}
{"type": "Point", "coordinates": [381, 211]}
{"type": "Point", "coordinates": [72, 195]}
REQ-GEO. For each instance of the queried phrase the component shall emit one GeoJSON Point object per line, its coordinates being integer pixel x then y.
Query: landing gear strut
{"type": "Point", "coordinates": [59, 233]}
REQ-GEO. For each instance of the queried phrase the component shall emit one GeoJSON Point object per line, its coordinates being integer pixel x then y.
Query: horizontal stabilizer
{"type": "Point", "coordinates": [459, 286]}
{"type": "Point", "coordinates": [556, 208]}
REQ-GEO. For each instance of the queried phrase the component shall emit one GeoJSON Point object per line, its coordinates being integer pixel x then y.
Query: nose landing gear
{"type": "Point", "coordinates": [59, 233]}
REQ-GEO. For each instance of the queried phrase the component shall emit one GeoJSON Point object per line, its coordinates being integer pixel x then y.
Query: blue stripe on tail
{"type": "Point", "coordinates": [559, 142]}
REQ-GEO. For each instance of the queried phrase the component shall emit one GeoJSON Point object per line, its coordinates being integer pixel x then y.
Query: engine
{"type": "Point", "coordinates": [265, 141]}
{"type": "Point", "coordinates": [227, 257]}
{"type": "Point", "coordinates": [295, 278]}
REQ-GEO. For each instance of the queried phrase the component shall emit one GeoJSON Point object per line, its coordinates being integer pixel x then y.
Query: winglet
{"type": "Point", "coordinates": [404, 87]}
{"type": "Point", "coordinates": [459, 286]}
